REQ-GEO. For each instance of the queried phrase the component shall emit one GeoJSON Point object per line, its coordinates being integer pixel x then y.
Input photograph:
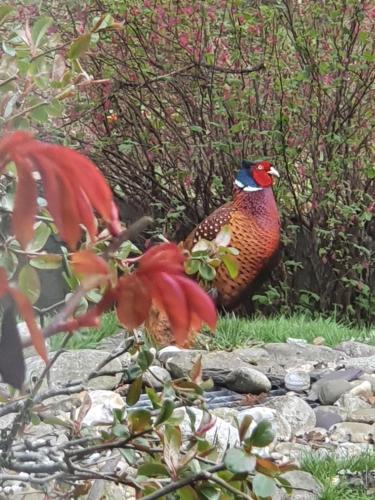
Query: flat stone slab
{"type": "Point", "coordinates": [75, 366]}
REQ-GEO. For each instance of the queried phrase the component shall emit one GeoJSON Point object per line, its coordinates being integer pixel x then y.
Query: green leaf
{"type": "Point", "coordinates": [239, 462]}
{"type": "Point", "coordinates": [41, 234]}
{"type": "Point", "coordinates": [145, 358]}
{"type": "Point", "coordinates": [40, 113]}
{"type": "Point", "coordinates": [79, 46]}
{"type": "Point", "coordinates": [153, 469]}
{"type": "Point", "coordinates": [210, 493]}
{"type": "Point", "coordinates": [9, 261]}
{"type": "Point", "coordinates": [153, 397]}
{"type": "Point", "coordinates": [207, 272]}
{"type": "Point", "coordinates": [196, 128]}
{"type": "Point", "coordinates": [5, 10]}
{"type": "Point", "coordinates": [165, 411]}
{"type": "Point", "coordinates": [55, 108]}
{"type": "Point", "coordinates": [50, 261]}
{"type": "Point", "coordinates": [262, 435]}
{"type": "Point", "coordinates": [191, 266]}
{"type": "Point", "coordinates": [134, 372]}
{"type": "Point", "coordinates": [139, 420]}
{"type": "Point", "coordinates": [39, 29]}
{"type": "Point", "coordinates": [223, 237]}
{"type": "Point", "coordinates": [134, 393]}
{"type": "Point", "coordinates": [29, 283]}
{"type": "Point", "coordinates": [264, 486]}
{"type": "Point", "coordinates": [201, 246]}
{"type": "Point", "coordinates": [187, 493]}
{"type": "Point", "coordinates": [231, 265]}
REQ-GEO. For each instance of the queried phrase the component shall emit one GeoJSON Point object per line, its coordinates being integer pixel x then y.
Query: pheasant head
{"type": "Point", "coordinates": [255, 176]}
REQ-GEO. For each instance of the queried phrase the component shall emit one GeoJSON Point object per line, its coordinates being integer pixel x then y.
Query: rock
{"type": "Point", "coordinates": [75, 366]}
{"type": "Point", "coordinates": [295, 410]}
{"type": "Point", "coordinates": [291, 354]}
{"type": "Point", "coordinates": [348, 403]}
{"type": "Point", "coordinates": [361, 388]}
{"type": "Point", "coordinates": [181, 363]}
{"type": "Point", "coordinates": [168, 352]}
{"type": "Point", "coordinates": [252, 355]}
{"type": "Point", "coordinates": [156, 377]}
{"type": "Point", "coordinates": [304, 485]}
{"type": "Point", "coordinates": [353, 432]}
{"type": "Point", "coordinates": [230, 415]}
{"type": "Point", "coordinates": [246, 380]}
{"type": "Point", "coordinates": [329, 391]}
{"type": "Point", "coordinates": [367, 363]}
{"type": "Point", "coordinates": [280, 425]}
{"type": "Point", "coordinates": [297, 381]}
{"type": "Point", "coordinates": [112, 491]}
{"type": "Point", "coordinates": [102, 404]}
{"type": "Point", "coordinates": [222, 434]}
{"type": "Point", "coordinates": [6, 421]}
{"type": "Point", "coordinates": [370, 378]}
{"type": "Point", "coordinates": [326, 419]}
{"type": "Point", "coordinates": [293, 451]}
{"type": "Point", "coordinates": [349, 450]}
{"type": "Point", "coordinates": [365, 415]}
{"type": "Point", "coordinates": [356, 349]}
{"type": "Point", "coordinates": [348, 374]}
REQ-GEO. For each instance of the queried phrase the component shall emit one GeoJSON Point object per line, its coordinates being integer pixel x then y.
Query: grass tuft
{"type": "Point", "coordinates": [327, 471]}
{"type": "Point", "coordinates": [88, 338]}
{"type": "Point", "coordinates": [233, 332]}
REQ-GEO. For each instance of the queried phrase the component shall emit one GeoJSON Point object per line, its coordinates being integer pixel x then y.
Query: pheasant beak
{"type": "Point", "coordinates": [273, 171]}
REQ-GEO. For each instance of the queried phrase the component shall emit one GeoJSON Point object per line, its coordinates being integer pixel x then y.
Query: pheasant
{"type": "Point", "coordinates": [253, 218]}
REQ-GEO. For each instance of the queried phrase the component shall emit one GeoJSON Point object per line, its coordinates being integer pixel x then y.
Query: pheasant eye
{"type": "Point", "coordinates": [259, 167]}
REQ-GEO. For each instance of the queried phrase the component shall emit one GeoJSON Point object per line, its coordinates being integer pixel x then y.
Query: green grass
{"type": "Point", "coordinates": [89, 338]}
{"type": "Point", "coordinates": [235, 332]}
{"type": "Point", "coordinates": [327, 469]}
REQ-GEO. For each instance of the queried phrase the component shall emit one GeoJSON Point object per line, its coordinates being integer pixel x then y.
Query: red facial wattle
{"type": "Point", "coordinates": [261, 174]}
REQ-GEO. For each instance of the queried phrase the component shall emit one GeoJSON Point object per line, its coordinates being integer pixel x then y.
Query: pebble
{"type": "Point", "coordinates": [297, 381]}
{"type": "Point", "coordinates": [247, 381]}
{"type": "Point", "coordinates": [329, 391]}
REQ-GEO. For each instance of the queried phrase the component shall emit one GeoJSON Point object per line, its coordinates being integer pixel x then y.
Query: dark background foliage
{"type": "Point", "coordinates": [191, 88]}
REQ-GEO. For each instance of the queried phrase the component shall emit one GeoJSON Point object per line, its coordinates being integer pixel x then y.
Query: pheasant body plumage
{"type": "Point", "coordinates": [253, 219]}
{"type": "Point", "coordinates": [255, 232]}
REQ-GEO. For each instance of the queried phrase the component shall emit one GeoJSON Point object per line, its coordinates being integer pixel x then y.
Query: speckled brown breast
{"type": "Point", "coordinates": [255, 233]}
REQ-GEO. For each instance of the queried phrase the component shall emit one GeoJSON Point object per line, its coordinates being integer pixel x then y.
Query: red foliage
{"type": "Point", "coordinates": [160, 280]}
{"type": "Point", "coordinates": [73, 188]}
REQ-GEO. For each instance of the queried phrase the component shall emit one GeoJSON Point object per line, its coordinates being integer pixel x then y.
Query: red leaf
{"type": "Point", "coordinates": [4, 286]}
{"type": "Point", "coordinates": [72, 183]}
{"type": "Point", "coordinates": [61, 198]}
{"type": "Point", "coordinates": [166, 257]}
{"type": "Point", "coordinates": [133, 301]}
{"type": "Point", "coordinates": [174, 304]}
{"type": "Point", "coordinates": [87, 263]}
{"type": "Point", "coordinates": [199, 303]}
{"type": "Point", "coordinates": [25, 203]}
{"type": "Point", "coordinates": [86, 214]}
{"type": "Point", "coordinates": [87, 176]}
{"type": "Point", "coordinates": [26, 311]}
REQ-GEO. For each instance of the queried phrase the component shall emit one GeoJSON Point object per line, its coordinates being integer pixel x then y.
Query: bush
{"type": "Point", "coordinates": [195, 87]}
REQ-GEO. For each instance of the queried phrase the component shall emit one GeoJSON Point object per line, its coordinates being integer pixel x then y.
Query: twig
{"type": "Point", "coordinates": [239, 71]}
{"type": "Point", "coordinates": [176, 485]}
{"type": "Point", "coordinates": [8, 80]}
